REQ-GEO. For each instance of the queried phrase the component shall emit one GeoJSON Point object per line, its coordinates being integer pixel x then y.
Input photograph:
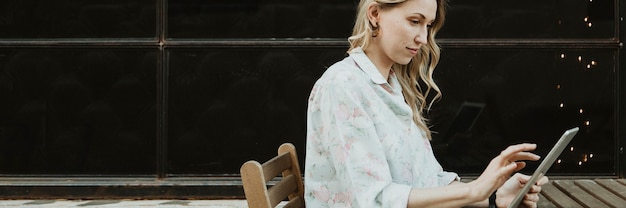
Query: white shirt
{"type": "Point", "coordinates": [363, 148]}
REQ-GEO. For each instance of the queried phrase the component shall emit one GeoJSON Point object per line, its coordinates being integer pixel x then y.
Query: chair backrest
{"type": "Point", "coordinates": [255, 177]}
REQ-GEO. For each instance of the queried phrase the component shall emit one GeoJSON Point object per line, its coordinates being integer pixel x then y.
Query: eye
{"type": "Point", "coordinates": [415, 22]}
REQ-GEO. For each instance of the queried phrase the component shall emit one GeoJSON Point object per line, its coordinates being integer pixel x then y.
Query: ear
{"type": "Point", "coordinates": [373, 13]}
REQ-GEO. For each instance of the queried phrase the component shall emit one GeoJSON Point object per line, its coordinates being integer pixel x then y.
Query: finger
{"type": "Point", "coordinates": [529, 204]}
{"type": "Point", "coordinates": [510, 150]}
{"type": "Point", "coordinates": [510, 168]}
{"type": "Point", "coordinates": [522, 177]}
{"type": "Point", "coordinates": [532, 197]}
{"type": "Point", "coordinates": [543, 180]}
{"type": "Point", "coordinates": [518, 152]}
{"type": "Point", "coordinates": [520, 165]}
{"type": "Point", "coordinates": [530, 200]}
{"type": "Point", "coordinates": [524, 156]}
{"type": "Point", "coordinates": [534, 189]}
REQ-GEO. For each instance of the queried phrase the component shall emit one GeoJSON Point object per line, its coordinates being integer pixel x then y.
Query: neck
{"type": "Point", "coordinates": [382, 62]}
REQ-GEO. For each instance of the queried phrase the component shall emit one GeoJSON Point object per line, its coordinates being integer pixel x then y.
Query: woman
{"type": "Point", "coordinates": [367, 141]}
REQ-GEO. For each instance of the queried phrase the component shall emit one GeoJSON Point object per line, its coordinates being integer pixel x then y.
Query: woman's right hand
{"type": "Point", "coordinates": [501, 168]}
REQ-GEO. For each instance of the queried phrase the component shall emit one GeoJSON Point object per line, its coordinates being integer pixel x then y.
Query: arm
{"type": "Point", "coordinates": [457, 194]}
{"type": "Point", "coordinates": [477, 192]}
{"type": "Point", "coordinates": [507, 192]}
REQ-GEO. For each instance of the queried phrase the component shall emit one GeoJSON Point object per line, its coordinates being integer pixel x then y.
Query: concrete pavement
{"type": "Point", "coordinates": [124, 203]}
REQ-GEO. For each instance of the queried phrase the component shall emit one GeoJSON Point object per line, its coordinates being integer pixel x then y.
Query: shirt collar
{"type": "Point", "coordinates": [367, 66]}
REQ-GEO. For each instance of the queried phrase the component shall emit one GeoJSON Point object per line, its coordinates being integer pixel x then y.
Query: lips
{"type": "Point", "coordinates": [413, 50]}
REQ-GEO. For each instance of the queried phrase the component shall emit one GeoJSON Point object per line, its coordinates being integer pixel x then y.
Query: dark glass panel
{"type": "Point", "coordinates": [260, 19]}
{"type": "Point", "coordinates": [77, 111]}
{"type": "Point", "coordinates": [530, 19]}
{"type": "Point", "coordinates": [24, 19]}
{"type": "Point", "coordinates": [227, 106]}
{"type": "Point", "coordinates": [528, 96]}
{"type": "Point", "coordinates": [331, 19]}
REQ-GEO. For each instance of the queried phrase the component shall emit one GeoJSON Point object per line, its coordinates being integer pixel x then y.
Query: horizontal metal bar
{"type": "Point", "coordinates": [530, 43]}
{"type": "Point", "coordinates": [306, 42]}
{"type": "Point", "coordinates": [72, 43]}
{"type": "Point", "coordinates": [119, 181]}
{"type": "Point", "coordinates": [445, 43]}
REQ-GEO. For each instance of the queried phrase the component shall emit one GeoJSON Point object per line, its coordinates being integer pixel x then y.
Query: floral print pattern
{"type": "Point", "coordinates": [363, 148]}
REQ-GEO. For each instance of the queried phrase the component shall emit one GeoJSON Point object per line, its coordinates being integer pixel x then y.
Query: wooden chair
{"type": "Point", "coordinates": [255, 177]}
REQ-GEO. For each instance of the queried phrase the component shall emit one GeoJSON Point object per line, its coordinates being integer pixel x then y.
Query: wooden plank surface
{"type": "Point", "coordinates": [544, 202]}
{"type": "Point", "coordinates": [558, 197]}
{"type": "Point", "coordinates": [614, 186]}
{"type": "Point", "coordinates": [578, 193]}
{"type": "Point", "coordinates": [581, 196]}
{"type": "Point", "coordinates": [601, 193]}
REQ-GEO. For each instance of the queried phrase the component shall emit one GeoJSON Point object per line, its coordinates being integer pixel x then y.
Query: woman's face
{"type": "Point", "coordinates": [404, 29]}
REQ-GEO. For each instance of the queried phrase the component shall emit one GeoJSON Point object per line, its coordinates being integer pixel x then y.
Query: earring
{"type": "Point", "coordinates": [375, 31]}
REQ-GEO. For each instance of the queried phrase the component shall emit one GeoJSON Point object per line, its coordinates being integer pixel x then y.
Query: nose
{"type": "Point", "coordinates": [422, 36]}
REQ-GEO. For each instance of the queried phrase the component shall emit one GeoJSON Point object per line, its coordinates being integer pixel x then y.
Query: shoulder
{"type": "Point", "coordinates": [342, 80]}
{"type": "Point", "coordinates": [345, 73]}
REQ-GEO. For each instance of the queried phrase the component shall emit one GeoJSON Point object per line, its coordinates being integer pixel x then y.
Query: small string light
{"type": "Point", "coordinates": [580, 111]}
{"type": "Point", "coordinates": [563, 56]}
{"type": "Point", "coordinates": [558, 86]}
{"type": "Point", "coordinates": [561, 105]}
{"type": "Point", "coordinates": [586, 19]}
{"type": "Point", "coordinates": [589, 24]}
{"type": "Point", "coordinates": [580, 58]}
{"type": "Point", "coordinates": [558, 161]}
{"type": "Point", "coordinates": [594, 63]}
{"type": "Point", "coordinates": [571, 149]}
{"type": "Point", "coordinates": [587, 123]}
{"type": "Point", "coordinates": [580, 163]}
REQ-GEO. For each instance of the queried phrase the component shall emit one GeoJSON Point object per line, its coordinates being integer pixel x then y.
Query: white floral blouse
{"type": "Point", "coordinates": [363, 148]}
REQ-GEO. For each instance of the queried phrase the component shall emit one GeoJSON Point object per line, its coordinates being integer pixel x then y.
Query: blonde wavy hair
{"type": "Point", "coordinates": [416, 78]}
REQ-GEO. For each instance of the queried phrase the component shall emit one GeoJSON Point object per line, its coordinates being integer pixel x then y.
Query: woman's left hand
{"type": "Point", "coordinates": [506, 193]}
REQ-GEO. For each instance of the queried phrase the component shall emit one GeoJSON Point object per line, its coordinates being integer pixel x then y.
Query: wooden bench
{"type": "Point", "coordinates": [584, 193]}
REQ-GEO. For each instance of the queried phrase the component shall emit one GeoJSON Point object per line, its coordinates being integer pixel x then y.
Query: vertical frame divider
{"type": "Point", "coordinates": [162, 95]}
{"type": "Point", "coordinates": [620, 90]}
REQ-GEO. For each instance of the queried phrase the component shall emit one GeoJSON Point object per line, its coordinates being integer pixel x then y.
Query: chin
{"type": "Point", "coordinates": [404, 61]}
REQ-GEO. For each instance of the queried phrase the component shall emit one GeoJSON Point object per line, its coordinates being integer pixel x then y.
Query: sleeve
{"type": "Point", "coordinates": [357, 154]}
{"type": "Point", "coordinates": [446, 178]}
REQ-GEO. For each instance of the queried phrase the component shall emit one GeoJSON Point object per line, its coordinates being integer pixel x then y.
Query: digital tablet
{"type": "Point", "coordinates": [545, 165]}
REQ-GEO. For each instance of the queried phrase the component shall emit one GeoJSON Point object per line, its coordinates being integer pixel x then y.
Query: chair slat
{"type": "Point", "coordinates": [276, 166]}
{"type": "Point", "coordinates": [282, 189]}
{"type": "Point", "coordinates": [296, 202]}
